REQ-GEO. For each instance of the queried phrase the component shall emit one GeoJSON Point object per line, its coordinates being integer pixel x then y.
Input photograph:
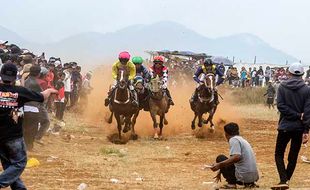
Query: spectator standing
{"type": "Point", "coordinates": [12, 146]}
{"type": "Point", "coordinates": [67, 83]}
{"type": "Point", "coordinates": [60, 99]}
{"type": "Point", "coordinates": [248, 81]}
{"type": "Point", "coordinates": [44, 120]}
{"type": "Point", "coordinates": [268, 75]}
{"type": "Point", "coordinates": [260, 76]}
{"type": "Point", "coordinates": [293, 102]}
{"type": "Point", "coordinates": [270, 95]}
{"type": "Point", "coordinates": [253, 77]}
{"type": "Point", "coordinates": [243, 76]}
{"type": "Point", "coordinates": [31, 109]}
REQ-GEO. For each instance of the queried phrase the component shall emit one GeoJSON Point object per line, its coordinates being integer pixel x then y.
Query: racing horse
{"type": "Point", "coordinates": [205, 103]}
{"type": "Point", "coordinates": [159, 105]}
{"type": "Point", "coordinates": [121, 105]}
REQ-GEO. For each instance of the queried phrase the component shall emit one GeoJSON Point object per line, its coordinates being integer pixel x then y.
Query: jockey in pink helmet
{"type": "Point", "coordinates": [123, 63]}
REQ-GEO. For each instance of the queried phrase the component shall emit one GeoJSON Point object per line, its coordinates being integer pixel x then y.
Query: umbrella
{"type": "Point", "coordinates": [219, 60]}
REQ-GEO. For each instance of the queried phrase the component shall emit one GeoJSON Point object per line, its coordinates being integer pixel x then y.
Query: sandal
{"type": "Point", "coordinates": [229, 186]}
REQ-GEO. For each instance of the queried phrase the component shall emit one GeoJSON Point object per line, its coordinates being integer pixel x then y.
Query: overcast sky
{"type": "Point", "coordinates": [285, 24]}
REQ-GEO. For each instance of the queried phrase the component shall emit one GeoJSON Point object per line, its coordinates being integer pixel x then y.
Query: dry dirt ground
{"type": "Point", "coordinates": [83, 154]}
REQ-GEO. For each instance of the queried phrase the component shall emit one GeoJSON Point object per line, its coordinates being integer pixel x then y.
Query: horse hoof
{"type": "Point", "coordinates": [134, 137]}
{"type": "Point", "coordinates": [212, 129]}
{"type": "Point", "coordinates": [165, 121]}
{"type": "Point", "coordinates": [205, 121]}
{"type": "Point", "coordinates": [125, 130]}
{"type": "Point", "coordinates": [109, 121]}
{"type": "Point", "coordinates": [199, 125]}
{"type": "Point", "coordinates": [156, 136]}
{"type": "Point", "coordinates": [193, 127]}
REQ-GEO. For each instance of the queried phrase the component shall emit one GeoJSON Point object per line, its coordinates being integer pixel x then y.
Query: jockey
{"type": "Point", "coordinates": [207, 68]}
{"type": "Point", "coordinates": [123, 63]}
{"type": "Point", "coordinates": [141, 70]}
{"type": "Point", "coordinates": [158, 69]}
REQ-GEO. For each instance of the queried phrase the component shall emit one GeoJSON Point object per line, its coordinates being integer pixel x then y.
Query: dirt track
{"type": "Point", "coordinates": [84, 155]}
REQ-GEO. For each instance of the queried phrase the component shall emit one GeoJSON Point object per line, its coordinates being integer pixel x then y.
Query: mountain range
{"type": "Point", "coordinates": [92, 46]}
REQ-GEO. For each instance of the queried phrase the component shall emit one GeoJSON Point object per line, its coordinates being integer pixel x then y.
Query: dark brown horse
{"type": "Point", "coordinates": [159, 105]}
{"type": "Point", "coordinates": [205, 103]}
{"type": "Point", "coordinates": [121, 105]}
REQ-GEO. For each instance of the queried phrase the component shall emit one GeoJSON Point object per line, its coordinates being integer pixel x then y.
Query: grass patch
{"type": "Point", "coordinates": [112, 152]}
{"type": "Point", "coordinates": [249, 95]}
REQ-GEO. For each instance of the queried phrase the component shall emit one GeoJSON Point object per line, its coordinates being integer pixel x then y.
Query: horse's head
{"type": "Point", "coordinates": [210, 80]}
{"type": "Point", "coordinates": [156, 87]}
{"type": "Point", "coordinates": [204, 92]}
{"type": "Point", "coordinates": [122, 79]}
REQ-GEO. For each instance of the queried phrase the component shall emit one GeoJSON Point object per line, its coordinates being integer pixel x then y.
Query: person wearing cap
{"type": "Point", "coordinates": [3, 44]}
{"type": "Point", "coordinates": [43, 113]}
{"type": "Point", "coordinates": [13, 154]}
{"type": "Point", "coordinates": [25, 73]}
{"type": "Point", "coordinates": [123, 63]}
{"type": "Point", "coordinates": [293, 102]}
{"type": "Point", "coordinates": [240, 168]}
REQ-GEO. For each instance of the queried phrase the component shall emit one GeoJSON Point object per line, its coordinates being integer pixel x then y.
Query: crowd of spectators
{"type": "Point", "coordinates": [37, 73]}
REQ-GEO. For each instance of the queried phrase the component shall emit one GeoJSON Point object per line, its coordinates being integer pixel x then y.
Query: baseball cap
{"type": "Point", "coordinates": [2, 42]}
{"type": "Point", "coordinates": [8, 72]}
{"type": "Point", "coordinates": [296, 69]}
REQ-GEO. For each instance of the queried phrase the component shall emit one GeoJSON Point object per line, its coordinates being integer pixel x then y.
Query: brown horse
{"type": "Point", "coordinates": [159, 105]}
{"type": "Point", "coordinates": [121, 105]}
{"type": "Point", "coordinates": [205, 103]}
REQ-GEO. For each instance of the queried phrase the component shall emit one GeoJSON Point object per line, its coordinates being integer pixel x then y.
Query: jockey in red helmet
{"type": "Point", "coordinates": [158, 69]}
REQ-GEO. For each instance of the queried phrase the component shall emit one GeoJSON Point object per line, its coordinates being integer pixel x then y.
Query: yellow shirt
{"type": "Point", "coordinates": [129, 68]}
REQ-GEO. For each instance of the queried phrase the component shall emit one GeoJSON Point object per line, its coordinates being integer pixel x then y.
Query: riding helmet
{"type": "Point", "coordinates": [208, 62]}
{"type": "Point", "coordinates": [124, 55]}
{"type": "Point", "coordinates": [158, 59]}
{"type": "Point", "coordinates": [137, 60]}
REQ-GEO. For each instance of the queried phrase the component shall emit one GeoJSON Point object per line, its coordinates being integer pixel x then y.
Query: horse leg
{"type": "Point", "coordinates": [119, 126]}
{"type": "Point", "coordinates": [127, 120]}
{"type": "Point", "coordinates": [165, 121]}
{"type": "Point", "coordinates": [155, 125]}
{"type": "Point", "coordinates": [161, 124]}
{"type": "Point", "coordinates": [211, 114]}
{"type": "Point", "coordinates": [193, 122]}
{"type": "Point", "coordinates": [200, 120]}
{"type": "Point", "coordinates": [110, 118]}
{"type": "Point", "coordinates": [134, 136]}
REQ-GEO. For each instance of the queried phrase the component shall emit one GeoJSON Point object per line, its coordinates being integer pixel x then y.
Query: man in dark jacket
{"type": "Point", "coordinates": [12, 147]}
{"type": "Point", "coordinates": [293, 101]}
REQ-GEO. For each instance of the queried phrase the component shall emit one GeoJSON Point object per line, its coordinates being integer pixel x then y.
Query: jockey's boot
{"type": "Point", "coordinates": [171, 103]}
{"type": "Point", "coordinates": [106, 102]}
{"type": "Point", "coordinates": [194, 97]}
